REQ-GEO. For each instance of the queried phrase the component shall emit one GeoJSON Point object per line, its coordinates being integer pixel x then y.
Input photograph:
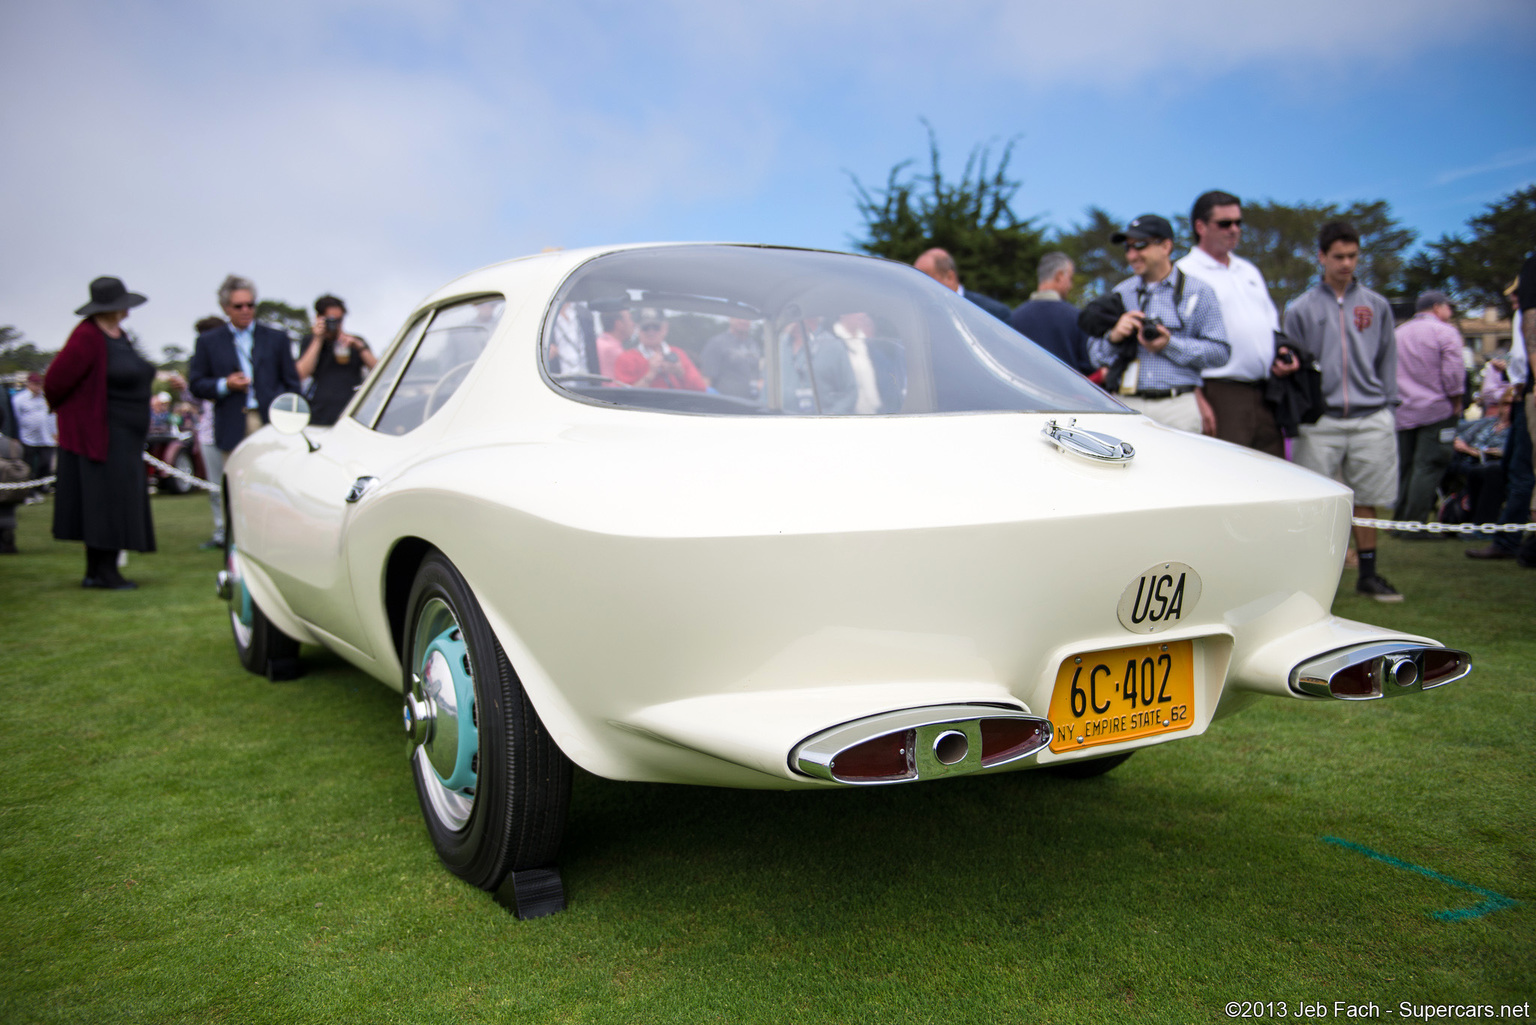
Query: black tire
{"type": "Point", "coordinates": [507, 814]}
{"type": "Point", "coordinates": [1090, 768]}
{"type": "Point", "coordinates": [263, 648]}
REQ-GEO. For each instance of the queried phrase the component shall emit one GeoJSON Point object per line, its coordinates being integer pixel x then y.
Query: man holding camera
{"type": "Point", "coordinates": [655, 364]}
{"type": "Point", "coordinates": [334, 361]}
{"type": "Point", "coordinates": [1171, 329]}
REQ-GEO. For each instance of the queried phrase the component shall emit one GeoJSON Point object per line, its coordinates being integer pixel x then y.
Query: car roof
{"type": "Point", "coordinates": [498, 277]}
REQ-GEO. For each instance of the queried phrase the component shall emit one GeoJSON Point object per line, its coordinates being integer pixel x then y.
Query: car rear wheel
{"type": "Point", "coordinates": [493, 785]}
{"type": "Point", "coordinates": [1090, 768]}
{"type": "Point", "coordinates": [263, 648]}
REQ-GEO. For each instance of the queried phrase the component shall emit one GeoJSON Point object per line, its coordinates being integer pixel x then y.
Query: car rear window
{"type": "Point", "coordinates": [748, 330]}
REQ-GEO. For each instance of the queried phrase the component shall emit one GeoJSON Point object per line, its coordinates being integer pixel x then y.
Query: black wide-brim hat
{"type": "Point", "coordinates": [108, 295]}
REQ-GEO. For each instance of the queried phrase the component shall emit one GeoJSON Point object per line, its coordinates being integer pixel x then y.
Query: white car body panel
{"type": "Point", "coordinates": [686, 597]}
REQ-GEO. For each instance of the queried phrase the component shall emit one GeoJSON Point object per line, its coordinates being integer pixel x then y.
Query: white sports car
{"type": "Point", "coordinates": [818, 522]}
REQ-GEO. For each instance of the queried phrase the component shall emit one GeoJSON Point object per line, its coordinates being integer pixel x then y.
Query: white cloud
{"type": "Point", "coordinates": [1498, 162]}
{"type": "Point", "coordinates": [376, 149]}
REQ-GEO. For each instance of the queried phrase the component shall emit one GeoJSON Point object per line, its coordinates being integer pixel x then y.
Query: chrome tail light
{"type": "Point", "coordinates": [1365, 672]}
{"type": "Point", "coordinates": [920, 743]}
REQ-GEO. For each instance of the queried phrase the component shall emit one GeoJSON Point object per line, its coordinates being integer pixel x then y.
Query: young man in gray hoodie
{"type": "Point", "coordinates": [1348, 329]}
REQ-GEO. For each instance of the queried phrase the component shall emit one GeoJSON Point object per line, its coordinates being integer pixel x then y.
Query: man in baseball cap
{"type": "Point", "coordinates": [1170, 331]}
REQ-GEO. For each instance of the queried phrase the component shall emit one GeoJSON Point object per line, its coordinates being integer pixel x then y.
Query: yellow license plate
{"type": "Point", "coordinates": [1104, 697]}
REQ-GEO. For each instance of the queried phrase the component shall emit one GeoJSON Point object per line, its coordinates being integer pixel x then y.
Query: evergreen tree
{"type": "Point", "coordinates": [994, 250]}
{"type": "Point", "coordinates": [1476, 269]}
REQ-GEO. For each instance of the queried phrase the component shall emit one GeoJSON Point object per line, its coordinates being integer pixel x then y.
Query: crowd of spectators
{"type": "Point", "coordinates": [238, 366]}
{"type": "Point", "coordinates": [1336, 383]}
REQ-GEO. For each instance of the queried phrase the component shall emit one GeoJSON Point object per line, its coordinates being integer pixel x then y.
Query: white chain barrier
{"type": "Point", "coordinates": [18, 485]}
{"type": "Point", "coordinates": [1405, 526]}
{"type": "Point", "coordinates": [1411, 527]}
{"type": "Point", "coordinates": [181, 475]}
{"type": "Point", "coordinates": [196, 482]}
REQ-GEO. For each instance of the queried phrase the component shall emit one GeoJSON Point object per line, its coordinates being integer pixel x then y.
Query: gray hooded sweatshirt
{"type": "Point", "coordinates": [1354, 342]}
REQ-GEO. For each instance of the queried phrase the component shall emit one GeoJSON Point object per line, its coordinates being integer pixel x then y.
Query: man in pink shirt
{"type": "Point", "coordinates": [1431, 380]}
{"type": "Point", "coordinates": [655, 364]}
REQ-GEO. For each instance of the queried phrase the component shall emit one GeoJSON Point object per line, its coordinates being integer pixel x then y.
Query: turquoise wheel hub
{"type": "Point", "coordinates": [449, 684]}
{"type": "Point", "coordinates": [241, 612]}
{"type": "Point", "coordinates": [440, 713]}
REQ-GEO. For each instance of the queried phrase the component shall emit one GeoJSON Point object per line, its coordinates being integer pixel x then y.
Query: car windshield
{"type": "Point", "coordinates": [755, 330]}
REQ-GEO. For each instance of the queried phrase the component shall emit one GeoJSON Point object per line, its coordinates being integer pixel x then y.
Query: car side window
{"type": "Point", "coordinates": [382, 381]}
{"type": "Point", "coordinates": [449, 348]}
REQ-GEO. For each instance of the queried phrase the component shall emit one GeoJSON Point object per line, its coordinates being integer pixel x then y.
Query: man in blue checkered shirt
{"type": "Point", "coordinates": [1170, 332]}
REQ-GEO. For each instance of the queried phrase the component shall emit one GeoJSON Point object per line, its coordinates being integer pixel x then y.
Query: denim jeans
{"type": "Point", "coordinates": [1519, 479]}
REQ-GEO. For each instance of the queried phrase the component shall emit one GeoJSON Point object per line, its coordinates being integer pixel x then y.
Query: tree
{"type": "Point", "coordinates": [293, 319]}
{"type": "Point", "coordinates": [1099, 263]}
{"type": "Point", "coordinates": [173, 358]}
{"type": "Point", "coordinates": [17, 354]}
{"type": "Point", "coordinates": [1475, 270]}
{"type": "Point", "coordinates": [994, 251]}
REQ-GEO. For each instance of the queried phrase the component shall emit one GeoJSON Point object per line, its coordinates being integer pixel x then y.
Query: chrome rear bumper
{"type": "Point", "coordinates": [920, 743]}
{"type": "Point", "coordinates": [1365, 672]}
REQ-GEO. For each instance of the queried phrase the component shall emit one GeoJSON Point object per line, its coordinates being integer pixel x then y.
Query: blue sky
{"type": "Point", "coordinates": [378, 149]}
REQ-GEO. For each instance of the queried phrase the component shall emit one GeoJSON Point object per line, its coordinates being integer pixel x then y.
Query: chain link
{"type": "Point", "coordinates": [1409, 527]}
{"type": "Point", "coordinates": [19, 485]}
{"type": "Point", "coordinates": [196, 482]}
{"type": "Point", "coordinates": [1405, 526]}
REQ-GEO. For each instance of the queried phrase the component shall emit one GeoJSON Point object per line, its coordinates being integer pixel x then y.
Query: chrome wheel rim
{"type": "Point", "coordinates": [441, 716]}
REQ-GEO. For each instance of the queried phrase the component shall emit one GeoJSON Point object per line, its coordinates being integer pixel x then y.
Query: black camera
{"type": "Point", "coordinates": [1149, 328]}
{"type": "Point", "coordinates": [671, 357]}
{"type": "Point", "coordinates": [332, 325]}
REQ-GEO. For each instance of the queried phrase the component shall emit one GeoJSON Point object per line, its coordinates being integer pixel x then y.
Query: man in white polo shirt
{"type": "Point", "coordinates": [1232, 405]}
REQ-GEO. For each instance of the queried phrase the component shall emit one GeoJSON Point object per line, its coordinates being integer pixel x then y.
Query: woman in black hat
{"type": "Point", "coordinates": [100, 386]}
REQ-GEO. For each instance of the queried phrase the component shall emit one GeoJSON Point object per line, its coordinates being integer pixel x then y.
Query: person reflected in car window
{"type": "Point", "coordinates": [855, 330]}
{"type": "Point", "coordinates": [732, 361]}
{"type": "Point", "coordinates": [834, 391]}
{"type": "Point", "coordinates": [618, 329]}
{"type": "Point", "coordinates": [655, 364]}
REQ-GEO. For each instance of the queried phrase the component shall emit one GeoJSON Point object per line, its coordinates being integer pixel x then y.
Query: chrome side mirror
{"type": "Point", "coordinates": [289, 414]}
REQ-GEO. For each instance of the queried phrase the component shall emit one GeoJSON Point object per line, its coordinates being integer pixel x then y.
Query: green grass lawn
{"type": "Point", "coordinates": [181, 841]}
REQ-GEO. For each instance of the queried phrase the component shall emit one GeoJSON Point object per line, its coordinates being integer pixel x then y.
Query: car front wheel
{"type": "Point", "coordinates": [493, 785]}
{"type": "Point", "coordinates": [263, 648]}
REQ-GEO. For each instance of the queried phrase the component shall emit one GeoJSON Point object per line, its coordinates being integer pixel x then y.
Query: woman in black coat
{"type": "Point", "coordinates": [100, 387]}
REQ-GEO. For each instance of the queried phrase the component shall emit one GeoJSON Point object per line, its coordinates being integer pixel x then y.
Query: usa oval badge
{"type": "Point", "coordinates": [1159, 598]}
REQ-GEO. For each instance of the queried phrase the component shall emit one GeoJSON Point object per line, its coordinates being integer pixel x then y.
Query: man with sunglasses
{"type": "Point", "coordinates": [240, 367]}
{"type": "Point", "coordinates": [1171, 331]}
{"type": "Point", "coordinates": [1231, 397]}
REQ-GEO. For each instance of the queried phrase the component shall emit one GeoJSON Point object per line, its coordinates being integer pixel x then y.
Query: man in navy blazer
{"type": "Point", "coordinates": [240, 367]}
{"type": "Point", "coordinates": [940, 266]}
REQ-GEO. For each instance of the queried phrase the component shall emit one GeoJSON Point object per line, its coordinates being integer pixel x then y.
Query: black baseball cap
{"type": "Point", "coordinates": [1147, 226]}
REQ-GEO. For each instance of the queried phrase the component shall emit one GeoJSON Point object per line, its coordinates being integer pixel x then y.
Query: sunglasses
{"type": "Point", "coordinates": [1235, 222]}
{"type": "Point", "coordinates": [1138, 244]}
{"type": "Point", "coordinates": [650, 327]}
{"type": "Point", "coordinates": [242, 306]}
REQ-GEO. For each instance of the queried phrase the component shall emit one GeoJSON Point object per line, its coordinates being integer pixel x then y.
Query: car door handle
{"type": "Point", "coordinates": [1093, 445]}
{"type": "Point", "coordinates": [360, 488]}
